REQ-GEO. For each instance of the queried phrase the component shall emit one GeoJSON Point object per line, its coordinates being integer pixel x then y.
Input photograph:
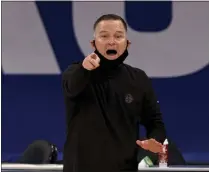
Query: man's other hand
{"type": "Point", "coordinates": [151, 145]}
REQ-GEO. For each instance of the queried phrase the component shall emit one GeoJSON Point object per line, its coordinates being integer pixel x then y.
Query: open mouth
{"type": "Point", "coordinates": [111, 52]}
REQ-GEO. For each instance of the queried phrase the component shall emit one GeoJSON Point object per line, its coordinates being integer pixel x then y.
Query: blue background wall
{"type": "Point", "coordinates": [33, 106]}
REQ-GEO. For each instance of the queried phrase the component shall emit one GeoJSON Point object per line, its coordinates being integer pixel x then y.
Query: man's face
{"type": "Point", "coordinates": [110, 38]}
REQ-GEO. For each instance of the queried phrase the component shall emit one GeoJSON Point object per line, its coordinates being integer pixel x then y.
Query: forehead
{"type": "Point", "coordinates": [111, 26]}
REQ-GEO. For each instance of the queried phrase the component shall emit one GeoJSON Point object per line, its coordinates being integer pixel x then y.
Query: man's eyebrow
{"type": "Point", "coordinates": [103, 31]}
{"type": "Point", "coordinates": [119, 31]}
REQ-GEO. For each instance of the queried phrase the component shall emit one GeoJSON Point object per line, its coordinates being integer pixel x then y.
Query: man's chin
{"type": "Point", "coordinates": [111, 57]}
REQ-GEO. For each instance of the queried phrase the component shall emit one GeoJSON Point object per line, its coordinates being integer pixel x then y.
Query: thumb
{"type": "Point", "coordinates": [143, 143]}
{"type": "Point", "coordinates": [140, 143]}
{"type": "Point", "coordinates": [98, 59]}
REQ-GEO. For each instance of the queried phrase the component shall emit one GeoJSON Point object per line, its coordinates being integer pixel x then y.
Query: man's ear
{"type": "Point", "coordinates": [128, 44]}
{"type": "Point", "coordinates": [93, 44]}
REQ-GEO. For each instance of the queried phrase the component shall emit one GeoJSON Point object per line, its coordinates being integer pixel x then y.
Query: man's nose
{"type": "Point", "coordinates": [111, 41]}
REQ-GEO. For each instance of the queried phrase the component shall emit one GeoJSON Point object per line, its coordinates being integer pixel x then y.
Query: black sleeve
{"type": "Point", "coordinates": [75, 79]}
{"type": "Point", "coordinates": [152, 117]}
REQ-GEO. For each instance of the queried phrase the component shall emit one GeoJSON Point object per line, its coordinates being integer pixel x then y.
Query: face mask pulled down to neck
{"type": "Point", "coordinates": [106, 64]}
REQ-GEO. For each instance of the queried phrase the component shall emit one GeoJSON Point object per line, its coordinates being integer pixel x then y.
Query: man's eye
{"type": "Point", "coordinates": [119, 36]}
{"type": "Point", "coordinates": [104, 36]}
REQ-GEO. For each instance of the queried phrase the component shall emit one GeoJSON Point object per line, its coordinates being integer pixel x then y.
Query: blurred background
{"type": "Point", "coordinates": [170, 41]}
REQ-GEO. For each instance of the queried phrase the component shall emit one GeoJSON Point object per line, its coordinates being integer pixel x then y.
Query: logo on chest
{"type": "Point", "coordinates": [129, 98]}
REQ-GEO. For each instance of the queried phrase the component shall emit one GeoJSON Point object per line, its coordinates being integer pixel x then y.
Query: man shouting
{"type": "Point", "coordinates": [106, 100]}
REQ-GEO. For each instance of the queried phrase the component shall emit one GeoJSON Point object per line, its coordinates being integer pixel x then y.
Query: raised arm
{"type": "Point", "coordinates": [77, 76]}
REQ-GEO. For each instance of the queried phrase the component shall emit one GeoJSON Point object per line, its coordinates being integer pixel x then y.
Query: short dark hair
{"type": "Point", "coordinates": [110, 17]}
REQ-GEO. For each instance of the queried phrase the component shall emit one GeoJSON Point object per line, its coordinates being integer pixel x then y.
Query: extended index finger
{"type": "Point", "coordinates": [95, 57]}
